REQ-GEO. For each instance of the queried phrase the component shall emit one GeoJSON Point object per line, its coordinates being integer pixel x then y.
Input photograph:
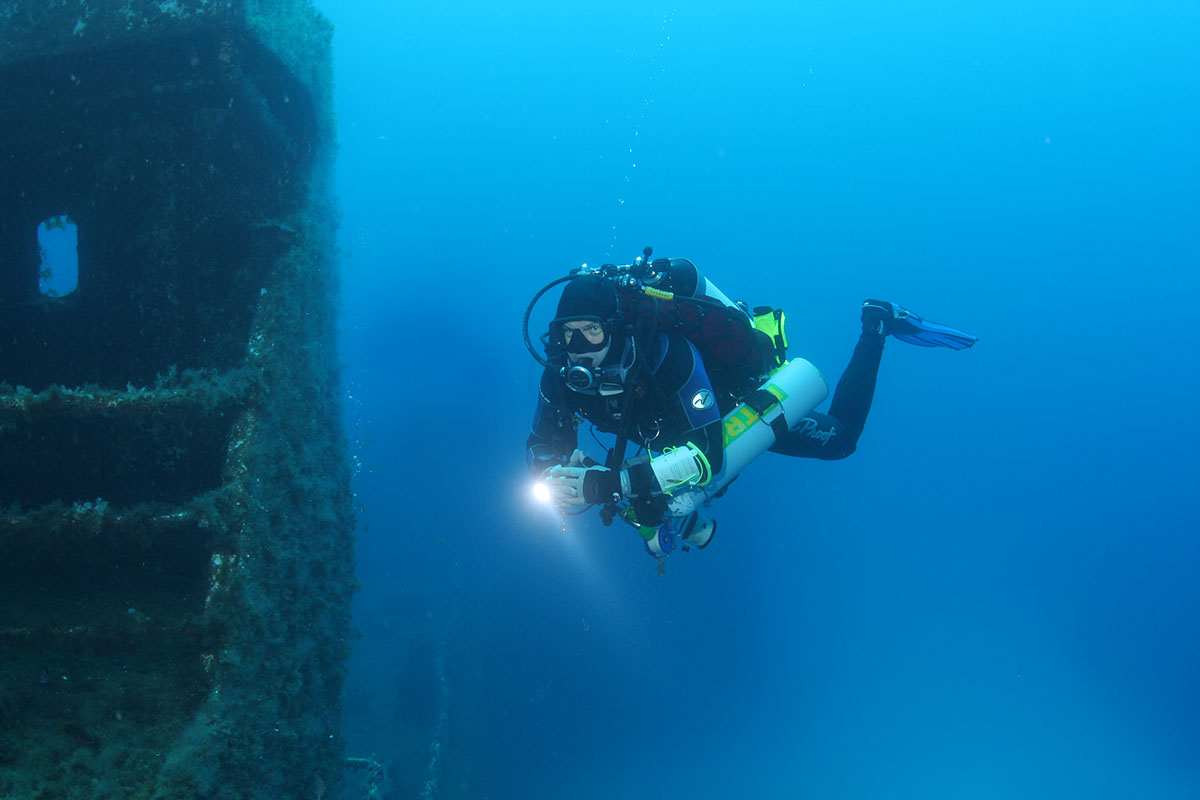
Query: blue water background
{"type": "Point", "coordinates": [995, 597]}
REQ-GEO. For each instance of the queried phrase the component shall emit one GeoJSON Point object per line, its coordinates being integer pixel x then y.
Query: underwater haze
{"type": "Point", "coordinates": [995, 597]}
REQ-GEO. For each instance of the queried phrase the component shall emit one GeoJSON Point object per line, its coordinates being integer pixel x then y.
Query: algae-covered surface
{"type": "Point", "coordinates": [175, 516]}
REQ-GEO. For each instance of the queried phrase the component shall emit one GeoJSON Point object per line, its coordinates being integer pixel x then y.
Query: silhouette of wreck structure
{"type": "Point", "coordinates": [175, 516]}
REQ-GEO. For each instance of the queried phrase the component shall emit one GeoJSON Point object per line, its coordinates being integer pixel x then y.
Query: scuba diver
{"type": "Point", "coordinates": [653, 353]}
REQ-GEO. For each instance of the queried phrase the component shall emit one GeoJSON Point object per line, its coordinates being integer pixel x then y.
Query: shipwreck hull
{"type": "Point", "coordinates": [175, 515]}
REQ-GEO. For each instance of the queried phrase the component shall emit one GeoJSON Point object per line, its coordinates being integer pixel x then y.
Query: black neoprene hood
{"type": "Point", "coordinates": [587, 296]}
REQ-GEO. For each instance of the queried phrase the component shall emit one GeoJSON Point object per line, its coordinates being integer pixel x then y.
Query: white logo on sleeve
{"type": "Point", "coordinates": [703, 399]}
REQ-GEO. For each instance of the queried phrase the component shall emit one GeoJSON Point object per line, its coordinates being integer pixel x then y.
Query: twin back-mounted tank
{"type": "Point", "coordinates": [175, 515]}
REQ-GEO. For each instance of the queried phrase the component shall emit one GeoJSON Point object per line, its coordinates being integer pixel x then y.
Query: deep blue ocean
{"type": "Point", "coordinates": [995, 597]}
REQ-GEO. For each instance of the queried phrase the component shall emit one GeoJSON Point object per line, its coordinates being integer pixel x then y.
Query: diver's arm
{"type": "Point", "coordinates": [690, 464]}
{"type": "Point", "coordinates": [554, 437]}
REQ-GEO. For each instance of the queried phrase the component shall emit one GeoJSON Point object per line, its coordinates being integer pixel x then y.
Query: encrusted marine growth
{"type": "Point", "coordinates": [175, 516]}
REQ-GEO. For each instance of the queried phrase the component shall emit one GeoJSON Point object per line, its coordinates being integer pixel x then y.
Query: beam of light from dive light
{"type": "Point", "coordinates": [541, 492]}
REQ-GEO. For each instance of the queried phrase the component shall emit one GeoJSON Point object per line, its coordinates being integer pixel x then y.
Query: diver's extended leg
{"type": "Point", "coordinates": [835, 435]}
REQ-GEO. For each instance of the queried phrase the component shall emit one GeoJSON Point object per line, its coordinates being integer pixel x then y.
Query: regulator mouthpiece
{"type": "Point", "coordinates": [579, 377]}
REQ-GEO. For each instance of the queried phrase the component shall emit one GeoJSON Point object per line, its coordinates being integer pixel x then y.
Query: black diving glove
{"type": "Point", "coordinates": [601, 485]}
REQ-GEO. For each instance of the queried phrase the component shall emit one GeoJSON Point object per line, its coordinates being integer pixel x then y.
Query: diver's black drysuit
{"type": "Point", "coordinates": [660, 407]}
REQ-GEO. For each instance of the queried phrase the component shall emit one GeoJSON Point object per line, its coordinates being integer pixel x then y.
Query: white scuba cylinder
{"type": "Point", "coordinates": [798, 387]}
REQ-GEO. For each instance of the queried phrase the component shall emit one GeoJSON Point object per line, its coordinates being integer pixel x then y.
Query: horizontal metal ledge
{"type": "Point", "coordinates": [190, 391]}
{"type": "Point", "coordinates": [208, 513]}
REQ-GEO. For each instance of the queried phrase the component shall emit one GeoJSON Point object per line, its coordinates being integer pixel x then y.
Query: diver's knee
{"type": "Point", "coordinates": [837, 453]}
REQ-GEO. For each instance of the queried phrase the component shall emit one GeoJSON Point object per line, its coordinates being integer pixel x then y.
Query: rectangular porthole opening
{"type": "Point", "coordinates": [58, 243]}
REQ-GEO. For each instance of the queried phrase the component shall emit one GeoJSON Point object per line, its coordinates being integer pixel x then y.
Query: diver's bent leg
{"type": "Point", "coordinates": [835, 435]}
{"type": "Point", "coordinates": [816, 436]}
